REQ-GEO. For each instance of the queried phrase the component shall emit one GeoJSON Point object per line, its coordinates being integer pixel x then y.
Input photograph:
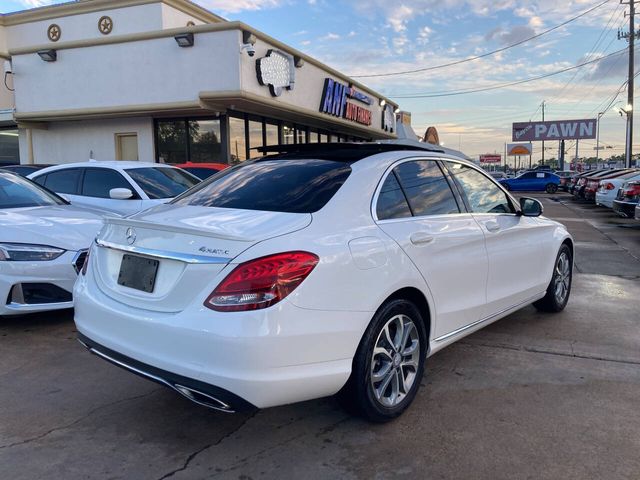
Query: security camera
{"type": "Point", "coordinates": [251, 51]}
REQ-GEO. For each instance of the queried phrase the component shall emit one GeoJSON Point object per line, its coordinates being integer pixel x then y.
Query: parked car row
{"type": "Point", "coordinates": [618, 189]}
{"type": "Point", "coordinates": [254, 289]}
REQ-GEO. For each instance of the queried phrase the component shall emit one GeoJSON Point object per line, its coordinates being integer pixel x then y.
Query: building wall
{"type": "Point", "coordinates": [127, 74]}
{"type": "Point", "coordinates": [84, 26]}
{"type": "Point", "coordinates": [172, 18]}
{"type": "Point", "coordinates": [67, 142]}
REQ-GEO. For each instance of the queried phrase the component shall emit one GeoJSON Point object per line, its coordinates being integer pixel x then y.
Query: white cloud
{"type": "Point", "coordinates": [330, 36]}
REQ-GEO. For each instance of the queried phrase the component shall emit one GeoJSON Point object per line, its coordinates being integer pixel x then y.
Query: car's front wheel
{"type": "Point", "coordinates": [559, 288]}
{"type": "Point", "coordinates": [389, 363]}
{"type": "Point", "coordinates": [551, 188]}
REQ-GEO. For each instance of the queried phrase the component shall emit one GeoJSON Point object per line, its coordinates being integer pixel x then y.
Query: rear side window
{"type": "Point", "coordinates": [63, 181]}
{"type": "Point", "coordinates": [391, 201]}
{"type": "Point", "coordinates": [426, 188]}
{"type": "Point", "coordinates": [483, 195]}
{"type": "Point", "coordinates": [292, 186]}
{"type": "Point", "coordinates": [98, 181]}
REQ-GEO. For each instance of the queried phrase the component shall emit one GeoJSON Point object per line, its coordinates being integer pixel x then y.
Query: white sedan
{"type": "Point", "coordinates": [43, 245]}
{"type": "Point", "coordinates": [327, 268]}
{"type": "Point", "coordinates": [608, 189]}
{"type": "Point", "coordinates": [123, 187]}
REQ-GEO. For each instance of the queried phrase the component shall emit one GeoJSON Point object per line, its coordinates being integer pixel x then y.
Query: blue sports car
{"type": "Point", "coordinates": [533, 181]}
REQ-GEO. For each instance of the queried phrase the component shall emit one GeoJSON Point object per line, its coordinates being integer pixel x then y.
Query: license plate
{"type": "Point", "coordinates": [138, 272]}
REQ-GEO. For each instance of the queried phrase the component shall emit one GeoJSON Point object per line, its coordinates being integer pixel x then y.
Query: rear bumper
{"type": "Point", "coordinates": [625, 209]}
{"type": "Point", "coordinates": [279, 355]}
{"type": "Point", "coordinates": [604, 200]}
{"type": "Point", "coordinates": [196, 391]}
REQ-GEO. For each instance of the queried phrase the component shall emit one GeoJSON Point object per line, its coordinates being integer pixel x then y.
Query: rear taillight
{"type": "Point", "coordinates": [86, 263]}
{"type": "Point", "coordinates": [262, 282]}
{"type": "Point", "coordinates": [609, 186]}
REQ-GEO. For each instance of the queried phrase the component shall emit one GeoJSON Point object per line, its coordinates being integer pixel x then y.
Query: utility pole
{"type": "Point", "coordinates": [543, 104]}
{"type": "Point", "coordinates": [630, 36]}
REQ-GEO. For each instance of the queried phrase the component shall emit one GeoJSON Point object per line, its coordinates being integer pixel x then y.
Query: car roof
{"type": "Point", "coordinates": [110, 164]}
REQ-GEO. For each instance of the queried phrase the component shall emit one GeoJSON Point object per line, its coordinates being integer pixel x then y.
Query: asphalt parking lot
{"type": "Point", "coordinates": [531, 396]}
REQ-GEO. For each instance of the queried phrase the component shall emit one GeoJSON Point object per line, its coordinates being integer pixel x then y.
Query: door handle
{"type": "Point", "coordinates": [421, 238]}
{"type": "Point", "coordinates": [492, 226]}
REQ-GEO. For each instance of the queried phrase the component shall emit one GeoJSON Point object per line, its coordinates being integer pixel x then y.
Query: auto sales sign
{"type": "Point", "coordinates": [556, 130]}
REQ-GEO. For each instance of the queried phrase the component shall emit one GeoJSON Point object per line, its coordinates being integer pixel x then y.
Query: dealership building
{"type": "Point", "coordinates": [166, 81]}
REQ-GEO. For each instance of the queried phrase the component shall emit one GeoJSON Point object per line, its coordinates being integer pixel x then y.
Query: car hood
{"type": "Point", "coordinates": [62, 226]}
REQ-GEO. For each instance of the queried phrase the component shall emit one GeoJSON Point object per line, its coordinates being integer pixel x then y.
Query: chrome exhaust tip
{"type": "Point", "coordinates": [202, 398]}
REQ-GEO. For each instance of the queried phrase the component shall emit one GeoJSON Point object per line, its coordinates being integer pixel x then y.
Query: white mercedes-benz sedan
{"type": "Point", "coordinates": [325, 268]}
{"type": "Point", "coordinates": [121, 187]}
{"type": "Point", "coordinates": [43, 245]}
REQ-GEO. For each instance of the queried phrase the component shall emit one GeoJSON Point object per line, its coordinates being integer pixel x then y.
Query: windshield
{"type": "Point", "coordinates": [162, 182]}
{"type": "Point", "coordinates": [18, 192]}
{"type": "Point", "coordinates": [292, 186]}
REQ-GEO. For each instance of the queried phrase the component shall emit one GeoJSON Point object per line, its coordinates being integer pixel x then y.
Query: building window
{"type": "Point", "coordinates": [9, 150]}
{"type": "Point", "coordinates": [288, 134]}
{"type": "Point", "coordinates": [171, 141]}
{"type": "Point", "coordinates": [314, 136]}
{"type": "Point", "coordinates": [271, 134]}
{"type": "Point", "coordinates": [237, 140]}
{"type": "Point", "coordinates": [255, 137]}
{"type": "Point", "coordinates": [301, 134]}
{"type": "Point", "coordinates": [205, 141]}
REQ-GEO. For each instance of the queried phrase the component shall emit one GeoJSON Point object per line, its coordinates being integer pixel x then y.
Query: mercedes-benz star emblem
{"type": "Point", "coordinates": [131, 235]}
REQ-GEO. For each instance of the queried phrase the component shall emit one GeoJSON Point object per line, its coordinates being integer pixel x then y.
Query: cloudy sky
{"type": "Point", "coordinates": [364, 37]}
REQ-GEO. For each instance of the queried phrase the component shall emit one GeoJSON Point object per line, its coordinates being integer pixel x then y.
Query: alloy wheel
{"type": "Point", "coordinates": [395, 360]}
{"type": "Point", "coordinates": [562, 278]}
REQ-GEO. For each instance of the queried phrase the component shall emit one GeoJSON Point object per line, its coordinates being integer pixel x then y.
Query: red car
{"type": "Point", "coordinates": [201, 170]}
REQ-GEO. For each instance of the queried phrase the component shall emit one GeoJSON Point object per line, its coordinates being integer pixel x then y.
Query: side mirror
{"type": "Point", "coordinates": [530, 207]}
{"type": "Point", "coordinates": [120, 193]}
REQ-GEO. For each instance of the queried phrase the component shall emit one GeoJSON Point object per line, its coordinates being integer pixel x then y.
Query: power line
{"type": "Point", "coordinates": [470, 59]}
{"type": "Point", "coordinates": [450, 93]}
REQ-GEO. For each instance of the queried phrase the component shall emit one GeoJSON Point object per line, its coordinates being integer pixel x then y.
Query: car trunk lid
{"type": "Point", "coordinates": [183, 247]}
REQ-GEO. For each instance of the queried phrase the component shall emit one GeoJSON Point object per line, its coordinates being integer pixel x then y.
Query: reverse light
{"type": "Point", "coordinates": [262, 282]}
{"type": "Point", "coordinates": [24, 252]}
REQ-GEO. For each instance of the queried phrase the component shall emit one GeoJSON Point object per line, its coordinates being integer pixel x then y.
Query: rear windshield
{"type": "Point", "coordinates": [292, 186]}
{"type": "Point", "coordinates": [18, 192]}
{"type": "Point", "coordinates": [162, 182]}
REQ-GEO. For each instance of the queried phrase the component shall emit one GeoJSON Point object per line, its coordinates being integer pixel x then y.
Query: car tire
{"type": "Point", "coordinates": [551, 188]}
{"type": "Point", "coordinates": [389, 363]}
{"type": "Point", "coordinates": [559, 288]}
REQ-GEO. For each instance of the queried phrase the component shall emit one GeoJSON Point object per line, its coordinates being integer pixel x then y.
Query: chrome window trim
{"type": "Point", "coordinates": [387, 172]}
{"type": "Point", "coordinates": [163, 254]}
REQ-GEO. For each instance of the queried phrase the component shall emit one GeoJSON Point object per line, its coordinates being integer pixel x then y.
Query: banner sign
{"type": "Point", "coordinates": [490, 158]}
{"type": "Point", "coordinates": [334, 102]}
{"type": "Point", "coordinates": [519, 149]}
{"type": "Point", "coordinates": [558, 130]}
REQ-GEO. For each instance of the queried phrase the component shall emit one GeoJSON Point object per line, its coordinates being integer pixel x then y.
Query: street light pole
{"type": "Point", "coordinates": [600, 114]}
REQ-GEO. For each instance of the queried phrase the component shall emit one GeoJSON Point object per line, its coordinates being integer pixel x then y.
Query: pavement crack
{"type": "Point", "coordinates": [78, 420]}
{"type": "Point", "coordinates": [193, 455]}
{"type": "Point", "coordinates": [523, 348]}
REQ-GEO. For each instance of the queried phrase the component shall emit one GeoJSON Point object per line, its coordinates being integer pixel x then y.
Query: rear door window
{"type": "Point", "coordinates": [64, 181]}
{"type": "Point", "coordinates": [276, 185]}
{"type": "Point", "coordinates": [98, 182]}
{"type": "Point", "coordinates": [426, 188]}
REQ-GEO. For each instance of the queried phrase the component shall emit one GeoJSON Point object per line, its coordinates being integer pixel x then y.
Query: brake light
{"type": "Point", "coordinates": [262, 282]}
{"type": "Point", "coordinates": [609, 186]}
